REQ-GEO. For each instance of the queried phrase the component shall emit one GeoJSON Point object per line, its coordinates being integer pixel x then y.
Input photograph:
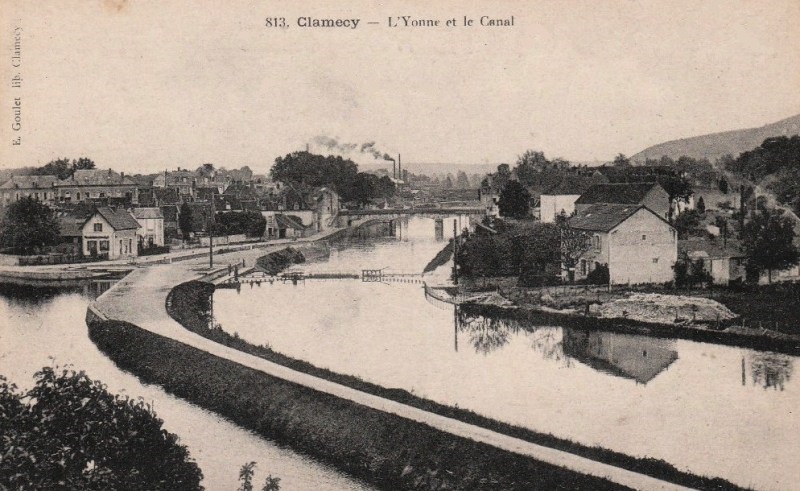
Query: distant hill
{"type": "Point", "coordinates": [716, 145]}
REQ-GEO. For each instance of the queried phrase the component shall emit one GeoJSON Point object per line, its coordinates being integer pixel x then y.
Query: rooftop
{"type": "Point", "coordinates": [118, 218]}
{"type": "Point", "coordinates": [603, 217]}
{"type": "Point", "coordinates": [629, 193]}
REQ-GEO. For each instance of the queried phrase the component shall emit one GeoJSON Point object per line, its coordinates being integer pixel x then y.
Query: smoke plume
{"type": "Point", "coordinates": [334, 145]}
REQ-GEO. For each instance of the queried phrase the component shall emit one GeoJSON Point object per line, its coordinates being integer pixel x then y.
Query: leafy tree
{"type": "Point", "coordinates": [723, 185]}
{"type": "Point", "coordinates": [529, 164]}
{"type": "Point", "coordinates": [82, 163]}
{"type": "Point", "coordinates": [305, 170]}
{"type": "Point", "coordinates": [574, 243]}
{"type": "Point", "coordinates": [462, 181]}
{"type": "Point", "coordinates": [69, 432]}
{"type": "Point", "coordinates": [768, 240]}
{"type": "Point", "coordinates": [701, 205]}
{"type": "Point", "coordinates": [502, 176]}
{"type": "Point", "coordinates": [63, 168]}
{"type": "Point", "coordinates": [621, 161]}
{"type": "Point", "coordinates": [28, 226]}
{"type": "Point", "coordinates": [514, 201]}
{"type": "Point", "coordinates": [686, 223]}
{"type": "Point", "coordinates": [186, 221]}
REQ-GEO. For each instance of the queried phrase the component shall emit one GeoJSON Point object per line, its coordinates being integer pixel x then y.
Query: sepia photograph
{"type": "Point", "coordinates": [388, 245]}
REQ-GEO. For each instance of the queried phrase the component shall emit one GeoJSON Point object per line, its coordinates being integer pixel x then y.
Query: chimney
{"type": "Point", "coordinates": [399, 168]}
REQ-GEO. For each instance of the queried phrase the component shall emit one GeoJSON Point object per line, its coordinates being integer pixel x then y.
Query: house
{"type": "Point", "coordinates": [288, 226]}
{"type": "Point", "coordinates": [326, 207]}
{"type": "Point", "coordinates": [41, 188]}
{"type": "Point", "coordinates": [97, 184]}
{"type": "Point", "coordinates": [722, 258]}
{"type": "Point", "coordinates": [649, 194]}
{"type": "Point", "coordinates": [110, 233]}
{"type": "Point", "coordinates": [560, 198]}
{"type": "Point", "coordinates": [182, 180]}
{"type": "Point", "coordinates": [151, 227]}
{"type": "Point", "coordinates": [635, 243]}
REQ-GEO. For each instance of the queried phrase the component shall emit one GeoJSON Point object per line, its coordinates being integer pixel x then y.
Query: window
{"type": "Point", "coordinates": [597, 243]}
{"type": "Point", "coordinates": [104, 246]}
{"type": "Point", "coordinates": [583, 267]}
{"type": "Point", "coordinates": [655, 260]}
{"type": "Point", "coordinates": [98, 227]}
{"type": "Point", "coordinates": [644, 237]}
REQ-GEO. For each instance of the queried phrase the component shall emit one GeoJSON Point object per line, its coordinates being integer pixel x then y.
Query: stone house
{"type": "Point", "coordinates": [151, 227]}
{"type": "Point", "coordinates": [41, 188]}
{"type": "Point", "coordinates": [649, 194]}
{"type": "Point", "coordinates": [722, 258]}
{"type": "Point", "coordinates": [636, 244]}
{"type": "Point", "coordinates": [110, 233]}
{"type": "Point", "coordinates": [97, 184]}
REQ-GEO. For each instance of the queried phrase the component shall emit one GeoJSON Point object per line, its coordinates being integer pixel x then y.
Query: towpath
{"type": "Point", "coordinates": [140, 299]}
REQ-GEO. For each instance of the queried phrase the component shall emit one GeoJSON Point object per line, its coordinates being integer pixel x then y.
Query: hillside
{"type": "Point", "coordinates": [716, 145]}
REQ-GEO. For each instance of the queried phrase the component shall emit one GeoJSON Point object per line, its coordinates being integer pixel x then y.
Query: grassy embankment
{"type": "Point", "coordinates": [386, 450]}
{"type": "Point", "coordinates": [190, 303]}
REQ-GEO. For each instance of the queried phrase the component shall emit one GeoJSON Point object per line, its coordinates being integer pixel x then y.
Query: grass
{"type": "Point", "coordinates": [388, 451]}
{"type": "Point", "coordinates": [190, 303]}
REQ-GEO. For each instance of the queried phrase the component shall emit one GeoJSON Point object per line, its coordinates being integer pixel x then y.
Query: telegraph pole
{"type": "Point", "coordinates": [455, 252]}
{"type": "Point", "coordinates": [211, 235]}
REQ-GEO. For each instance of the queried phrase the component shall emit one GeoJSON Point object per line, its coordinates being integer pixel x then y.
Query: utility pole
{"type": "Point", "coordinates": [455, 252]}
{"type": "Point", "coordinates": [211, 235]}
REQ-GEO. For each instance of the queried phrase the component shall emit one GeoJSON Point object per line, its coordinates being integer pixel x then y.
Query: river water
{"type": "Point", "coordinates": [705, 408]}
{"type": "Point", "coordinates": [45, 326]}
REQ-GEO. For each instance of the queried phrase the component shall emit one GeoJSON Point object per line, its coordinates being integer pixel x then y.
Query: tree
{"type": "Point", "coordinates": [701, 205]}
{"type": "Point", "coordinates": [621, 161]}
{"type": "Point", "coordinates": [28, 226]}
{"type": "Point", "coordinates": [69, 432]}
{"type": "Point", "coordinates": [514, 201]}
{"type": "Point", "coordinates": [502, 176]}
{"type": "Point", "coordinates": [529, 164]}
{"type": "Point", "coordinates": [462, 181]}
{"type": "Point", "coordinates": [723, 185]}
{"type": "Point", "coordinates": [686, 223]}
{"type": "Point", "coordinates": [768, 240]}
{"type": "Point", "coordinates": [83, 163]}
{"type": "Point", "coordinates": [63, 168]}
{"type": "Point", "coordinates": [574, 243]}
{"type": "Point", "coordinates": [186, 221]}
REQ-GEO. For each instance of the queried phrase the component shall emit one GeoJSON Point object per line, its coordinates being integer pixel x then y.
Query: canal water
{"type": "Point", "coordinates": [45, 326]}
{"type": "Point", "coordinates": [708, 409]}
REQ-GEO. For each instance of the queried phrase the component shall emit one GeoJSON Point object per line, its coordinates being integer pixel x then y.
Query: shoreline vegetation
{"type": "Point", "coordinates": [190, 305]}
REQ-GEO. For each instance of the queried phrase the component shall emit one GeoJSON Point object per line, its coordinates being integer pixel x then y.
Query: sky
{"type": "Point", "coordinates": [142, 86]}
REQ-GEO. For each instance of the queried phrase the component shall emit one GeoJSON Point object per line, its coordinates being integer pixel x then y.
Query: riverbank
{"type": "Point", "coordinates": [658, 313]}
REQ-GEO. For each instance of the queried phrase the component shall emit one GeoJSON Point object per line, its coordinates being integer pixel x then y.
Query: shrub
{"type": "Point", "coordinates": [68, 432]}
{"type": "Point", "coordinates": [599, 275]}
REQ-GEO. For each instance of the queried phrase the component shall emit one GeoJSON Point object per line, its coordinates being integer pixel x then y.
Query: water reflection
{"type": "Point", "coordinates": [769, 370]}
{"type": "Point", "coordinates": [638, 358]}
{"type": "Point", "coordinates": [634, 357]}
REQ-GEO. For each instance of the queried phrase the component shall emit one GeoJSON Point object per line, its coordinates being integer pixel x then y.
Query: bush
{"type": "Point", "coordinates": [68, 432]}
{"type": "Point", "coordinates": [599, 275]}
